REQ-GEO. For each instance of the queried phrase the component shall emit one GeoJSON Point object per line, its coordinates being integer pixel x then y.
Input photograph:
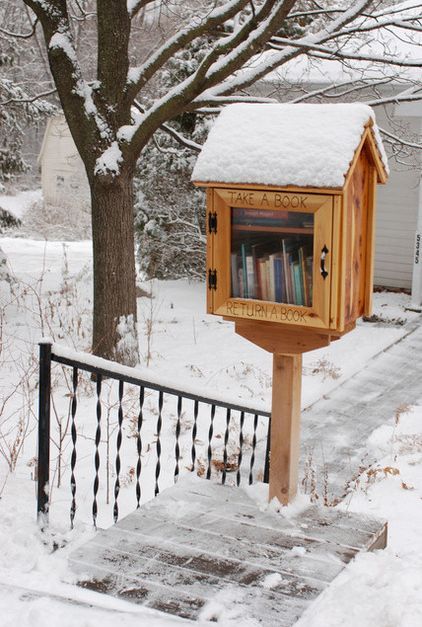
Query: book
{"type": "Point", "coordinates": [271, 294]}
{"type": "Point", "coordinates": [241, 286]}
{"type": "Point", "coordinates": [235, 291]}
{"type": "Point", "coordinates": [250, 276]}
{"type": "Point", "coordinates": [279, 279]}
{"type": "Point", "coordinates": [309, 265]}
{"type": "Point", "coordinates": [262, 270]}
{"type": "Point", "coordinates": [244, 270]}
{"type": "Point", "coordinates": [287, 271]}
{"type": "Point", "coordinates": [258, 251]}
{"type": "Point", "coordinates": [267, 279]}
{"type": "Point", "coordinates": [297, 283]}
{"type": "Point", "coordinates": [301, 255]}
{"type": "Point", "coordinates": [260, 217]}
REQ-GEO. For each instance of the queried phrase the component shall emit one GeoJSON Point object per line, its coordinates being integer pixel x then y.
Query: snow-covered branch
{"type": "Point", "coordinates": [27, 35]}
{"type": "Point", "coordinates": [139, 76]}
{"type": "Point", "coordinates": [183, 141]}
{"type": "Point", "coordinates": [405, 96]}
{"type": "Point", "coordinates": [29, 99]}
{"type": "Point", "coordinates": [293, 48]}
{"type": "Point", "coordinates": [346, 87]}
{"type": "Point", "coordinates": [390, 137]}
{"type": "Point", "coordinates": [215, 103]}
{"type": "Point", "coordinates": [135, 6]}
{"type": "Point", "coordinates": [329, 53]}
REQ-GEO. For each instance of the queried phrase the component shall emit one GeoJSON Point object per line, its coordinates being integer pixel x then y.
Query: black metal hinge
{"type": "Point", "coordinates": [212, 279]}
{"type": "Point", "coordinates": [212, 222]}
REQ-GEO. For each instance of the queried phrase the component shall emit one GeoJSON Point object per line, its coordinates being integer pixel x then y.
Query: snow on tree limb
{"type": "Point", "coordinates": [183, 141]}
{"type": "Point", "coordinates": [134, 6]}
{"type": "Point", "coordinates": [391, 137]}
{"type": "Point", "coordinates": [291, 49]}
{"type": "Point", "coordinates": [62, 41]}
{"type": "Point", "coordinates": [27, 35]}
{"type": "Point", "coordinates": [138, 77]}
{"type": "Point", "coordinates": [349, 86]}
{"type": "Point", "coordinates": [24, 98]}
{"type": "Point", "coordinates": [237, 50]}
{"type": "Point", "coordinates": [329, 53]}
{"type": "Point", "coordinates": [406, 96]}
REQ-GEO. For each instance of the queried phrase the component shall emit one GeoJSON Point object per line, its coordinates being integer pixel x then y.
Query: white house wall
{"type": "Point", "coordinates": [397, 209]}
{"type": "Point", "coordinates": [63, 176]}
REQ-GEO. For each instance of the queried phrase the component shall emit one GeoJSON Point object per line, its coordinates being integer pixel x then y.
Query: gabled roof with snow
{"type": "Point", "coordinates": [304, 145]}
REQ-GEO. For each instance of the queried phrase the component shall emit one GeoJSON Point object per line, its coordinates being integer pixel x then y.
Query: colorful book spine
{"type": "Point", "coordinates": [259, 217]}
{"type": "Point", "coordinates": [309, 265]}
{"type": "Point", "coordinates": [303, 276]}
{"type": "Point", "coordinates": [272, 259]}
{"type": "Point", "coordinates": [263, 278]}
{"type": "Point", "coordinates": [250, 276]}
{"type": "Point", "coordinates": [297, 281]}
{"type": "Point", "coordinates": [286, 268]}
{"type": "Point", "coordinates": [235, 292]}
{"type": "Point", "coordinates": [279, 279]}
{"type": "Point", "coordinates": [244, 271]}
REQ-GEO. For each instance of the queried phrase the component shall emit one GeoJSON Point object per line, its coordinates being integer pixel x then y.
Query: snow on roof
{"type": "Point", "coordinates": [306, 145]}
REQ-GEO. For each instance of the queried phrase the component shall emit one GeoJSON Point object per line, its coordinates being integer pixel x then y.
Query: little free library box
{"type": "Point", "coordinates": [291, 210]}
{"type": "Point", "coordinates": [290, 243]}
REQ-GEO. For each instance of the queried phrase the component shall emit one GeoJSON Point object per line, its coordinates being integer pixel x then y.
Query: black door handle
{"type": "Point", "coordinates": [324, 253]}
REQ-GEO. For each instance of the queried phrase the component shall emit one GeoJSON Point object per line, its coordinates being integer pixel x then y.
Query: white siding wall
{"type": "Point", "coordinates": [397, 208]}
{"type": "Point", "coordinates": [63, 176]}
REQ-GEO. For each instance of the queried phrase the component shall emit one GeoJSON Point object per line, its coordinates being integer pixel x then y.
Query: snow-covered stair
{"type": "Point", "coordinates": [212, 552]}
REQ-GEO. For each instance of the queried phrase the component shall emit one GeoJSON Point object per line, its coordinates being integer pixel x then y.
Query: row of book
{"type": "Point", "coordinates": [277, 272]}
{"type": "Point", "coordinates": [265, 217]}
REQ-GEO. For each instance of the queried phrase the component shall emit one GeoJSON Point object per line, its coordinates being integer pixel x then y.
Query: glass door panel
{"type": "Point", "coordinates": [272, 255]}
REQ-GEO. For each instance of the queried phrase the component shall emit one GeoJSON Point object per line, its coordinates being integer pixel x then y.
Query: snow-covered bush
{"type": "Point", "coordinates": [70, 221]}
{"type": "Point", "coordinates": [170, 216]}
{"type": "Point", "coordinates": [14, 116]}
{"type": "Point", "coordinates": [7, 220]}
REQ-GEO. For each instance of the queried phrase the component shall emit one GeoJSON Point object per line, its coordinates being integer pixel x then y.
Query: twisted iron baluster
{"type": "Point", "coordinates": [194, 430]}
{"type": "Point", "coordinates": [73, 456]}
{"type": "Point", "coordinates": [119, 444]}
{"type": "Point", "coordinates": [255, 425]}
{"type": "Point", "coordinates": [239, 459]}
{"type": "Point", "coordinates": [267, 454]}
{"type": "Point", "coordinates": [226, 439]}
{"type": "Point", "coordinates": [177, 447]}
{"type": "Point", "coordinates": [139, 445]}
{"type": "Point", "coordinates": [210, 432]}
{"type": "Point", "coordinates": [159, 423]}
{"type": "Point", "coordinates": [97, 454]}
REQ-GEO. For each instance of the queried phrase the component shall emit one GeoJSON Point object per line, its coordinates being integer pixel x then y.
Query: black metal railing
{"type": "Point", "coordinates": [225, 439]}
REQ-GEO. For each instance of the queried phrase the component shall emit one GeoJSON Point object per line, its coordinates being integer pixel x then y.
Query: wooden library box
{"type": "Point", "coordinates": [297, 256]}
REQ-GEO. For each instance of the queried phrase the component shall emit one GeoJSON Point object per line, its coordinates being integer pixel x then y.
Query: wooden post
{"type": "Point", "coordinates": [285, 426]}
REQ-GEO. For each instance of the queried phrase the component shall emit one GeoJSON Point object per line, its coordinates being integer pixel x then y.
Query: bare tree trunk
{"type": "Point", "coordinates": [114, 333]}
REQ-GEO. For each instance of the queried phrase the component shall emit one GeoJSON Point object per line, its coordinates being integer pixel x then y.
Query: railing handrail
{"type": "Point", "coordinates": [103, 368]}
{"type": "Point", "coordinates": [92, 363]}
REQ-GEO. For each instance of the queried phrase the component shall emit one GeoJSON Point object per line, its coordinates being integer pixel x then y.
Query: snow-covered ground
{"type": "Point", "coordinates": [51, 297]}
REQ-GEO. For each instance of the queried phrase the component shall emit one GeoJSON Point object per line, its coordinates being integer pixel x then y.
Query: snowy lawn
{"type": "Point", "coordinates": [51, 296]}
